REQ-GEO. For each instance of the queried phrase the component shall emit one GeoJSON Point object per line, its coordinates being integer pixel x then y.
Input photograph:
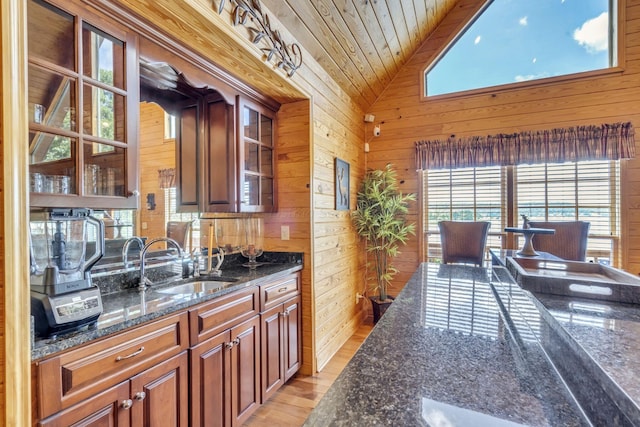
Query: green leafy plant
{"type": "Point", "coordinates": [380, 218]}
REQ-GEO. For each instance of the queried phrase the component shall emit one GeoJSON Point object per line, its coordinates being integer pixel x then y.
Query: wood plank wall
{"type": "Point", "coordinates": [156, 153]}
{"type": "Point", "coordinates": [595, 99]}
{"type": "Point", "coordinates": [294, 205]}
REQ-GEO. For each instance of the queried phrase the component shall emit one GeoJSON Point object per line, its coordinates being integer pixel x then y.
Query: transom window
{"type": "Point", "coordinates": [522, 40]}
{"type": "Point", "coordinates": [587, 191]}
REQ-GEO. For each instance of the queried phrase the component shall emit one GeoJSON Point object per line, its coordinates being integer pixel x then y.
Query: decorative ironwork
{"type": "Point", "coordinates": [249, 13]}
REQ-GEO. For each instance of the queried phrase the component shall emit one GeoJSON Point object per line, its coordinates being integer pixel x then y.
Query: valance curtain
{"type": "Point", "coordinates": [604, 142]}
{"type": "Point", "coordinates": [167, 178]}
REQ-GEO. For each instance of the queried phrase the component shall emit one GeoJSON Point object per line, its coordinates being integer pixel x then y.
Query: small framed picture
{"type": "Point", "coordinates": [342, 185]}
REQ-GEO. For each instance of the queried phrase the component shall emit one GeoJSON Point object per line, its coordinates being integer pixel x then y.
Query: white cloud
{"type": "Point", "coordinates": [477, 40]}
{"type": "Point", "coordinates": [523, 21]}
{"type": "Point", "coordinates": [534, 60]}
{"type": "Point", "coordinates": [593, 35]}
{"type": "Point", "coordinates": [521, 78]}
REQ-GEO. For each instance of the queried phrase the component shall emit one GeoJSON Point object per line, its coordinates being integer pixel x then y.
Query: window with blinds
{"type": "Point", "coordinates": [466, 194]}
{"type": "Point", "coordinates": [170, 214]}
{"type": "Point", "coordinates": [587, 191]}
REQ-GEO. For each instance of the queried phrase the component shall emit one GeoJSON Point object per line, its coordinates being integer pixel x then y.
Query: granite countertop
{"type": "Point", "coordinates": [445, 353]}
{"type": "Point", "coordinates": [130, 307]}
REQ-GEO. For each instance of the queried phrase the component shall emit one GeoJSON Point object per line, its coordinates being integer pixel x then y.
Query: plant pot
{"type": "Point", "coordinates": [379, 307]}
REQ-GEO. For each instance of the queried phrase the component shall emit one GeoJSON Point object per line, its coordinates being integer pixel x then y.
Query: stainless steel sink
{"type": "Point", "coordinates": [197, 287]}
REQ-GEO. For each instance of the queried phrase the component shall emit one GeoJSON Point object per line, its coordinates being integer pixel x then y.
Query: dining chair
{"type": "Point", "coordinates": [463, 241]}
{"type": "Point", "coordinates": [180, 231]}
{"type": "Point", "coordinates": [568, 242]}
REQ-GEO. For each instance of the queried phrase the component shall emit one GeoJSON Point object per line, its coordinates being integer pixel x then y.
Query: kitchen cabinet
{"type": "Point", "coordinates": [155, 397]}
{"type": "Point", "coordinates": [109, 408]}
{"type": "Point", "coordinates": [256, 147]}
{"type": "Point", "coordinates": [212, 364]}
{"type": "Point", "coordinates": [233, 148]}
{"type": "Point", "coordinates": [206, 156]}
{"type": "Point", "coordinates": [88, 384]}
{"type": "Point", "coordinates": [280, 330]}
{"type": "Point", "coordinates": [225, 362]}
{"type": "Point", "coordinates": [83, 107]}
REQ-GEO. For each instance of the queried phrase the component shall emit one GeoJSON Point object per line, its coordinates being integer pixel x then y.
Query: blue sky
{"type": "Point", "coordinates": [518, 40]}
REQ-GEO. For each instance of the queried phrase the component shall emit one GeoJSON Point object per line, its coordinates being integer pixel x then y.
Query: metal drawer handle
{"type": "Point", "coordinates": [135, 353]}
{"type": "Point", "coordinates": [126, 404]}
{"type": "Point", "coordinates": [285, 289]}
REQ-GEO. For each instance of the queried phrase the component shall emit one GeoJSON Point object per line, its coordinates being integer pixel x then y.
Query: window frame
{"type": "Point", "coordinates": [508, 197]}
{"type": "Point", "coordinates": [617, 53]}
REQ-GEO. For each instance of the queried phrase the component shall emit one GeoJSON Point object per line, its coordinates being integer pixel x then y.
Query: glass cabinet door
{"type": "Point", "coordinates": [257, 144]}
{"type": "Point", "coordinates": [79, 142]}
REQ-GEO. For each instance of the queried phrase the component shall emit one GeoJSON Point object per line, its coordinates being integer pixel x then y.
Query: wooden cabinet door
{"type": "Point", "coordinates": [245, 370]}
{"type": "Point", "coordinates": [256, 154]}
{"type": "Point", "coordinates": [211, 382]}
{"type": "Point", "coordinates": [84, 101]}
{"type": "Point", "coordinates": [272, 330]}
{"type": "Point", "coordinates": [111, 408]}
{"type": "Point", "coordinates": [161, 394]}
{"type": "Point", "coordinates": [220, 173]}
{"type": "Point", "coordinates": [187, 138]}
{"type": "Point", "coordinates": [292, 346]}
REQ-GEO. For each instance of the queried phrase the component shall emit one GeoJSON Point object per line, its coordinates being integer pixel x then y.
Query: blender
{"type": "Point", "coordinates": [64, 245]}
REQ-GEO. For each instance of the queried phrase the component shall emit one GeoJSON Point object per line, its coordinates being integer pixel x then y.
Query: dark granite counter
{"type": "Point", "coordinates": [449, 351]}
{"type": "Point", "coordinates": [125, 308]}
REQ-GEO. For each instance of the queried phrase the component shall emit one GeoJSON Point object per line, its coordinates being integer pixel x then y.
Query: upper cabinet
{"type": "Point", "coordinates": [83, 115]}
{"type": "Point", "coordinates": [206, 156]}
{"type": "Point", "coordinates": [224, 155]}
{"type": "Point", "coordinates": [256, 143]}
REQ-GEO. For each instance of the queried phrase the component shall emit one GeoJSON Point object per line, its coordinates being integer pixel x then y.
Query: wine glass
{"type": "Point", "coordinates": [252, 245]}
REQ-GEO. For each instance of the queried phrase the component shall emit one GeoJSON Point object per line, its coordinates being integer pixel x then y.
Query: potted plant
{"type": "Point", "coordinates": [380, 218]}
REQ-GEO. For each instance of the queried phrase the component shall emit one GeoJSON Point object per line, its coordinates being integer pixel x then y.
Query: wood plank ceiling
{"type": "Point", "coordinates": [361, 43]}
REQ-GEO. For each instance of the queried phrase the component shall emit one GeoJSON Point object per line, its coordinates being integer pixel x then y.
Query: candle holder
{"type": "Point", "coordinates": [252, 247]}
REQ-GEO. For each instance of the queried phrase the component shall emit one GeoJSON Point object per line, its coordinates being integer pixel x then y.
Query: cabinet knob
{"type": "Point", "coordinates": [229, 345]}
{"type": "Point", "coordinates": [126, 404]}
{"type": "Point", "coordinates": [134, 193]}
{"type": "Point", "coordinates": [140, 395]}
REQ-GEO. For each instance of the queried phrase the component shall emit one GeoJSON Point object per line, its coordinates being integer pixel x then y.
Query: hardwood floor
{"type": "Point", "coordinates": [291, 405]}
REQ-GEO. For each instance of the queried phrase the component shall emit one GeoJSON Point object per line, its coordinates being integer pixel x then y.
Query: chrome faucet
{"type": "Point", "coordinates": [125, 248]}
{"type": "Point", "coordinates": [145, 281]}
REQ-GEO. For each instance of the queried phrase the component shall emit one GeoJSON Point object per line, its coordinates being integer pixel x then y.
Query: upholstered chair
{"type": "Point", "coordinates": [569, 241]}
{"type": "Point", "coordinates": [463, 241]}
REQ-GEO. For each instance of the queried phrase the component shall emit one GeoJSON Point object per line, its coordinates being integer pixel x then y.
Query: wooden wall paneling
{"type": "Point", "coordinates": [329, 53]}
{"type": "Point", "coordinates": [593, 98]}
{"type": "Point", "coordinates": [15, 355]}
{"type": "Point", "coordinates": [294, 208]}
{"type": "Point", "coordinates": [155, 153]}
{"type": "Point", "coordinates": [378, 54]}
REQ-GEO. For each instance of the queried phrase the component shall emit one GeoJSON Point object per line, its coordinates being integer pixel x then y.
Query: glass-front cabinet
{"type": "Point", "coordinates": [256, 147]}
{"type": "Point", "coordinates": [82, 117]}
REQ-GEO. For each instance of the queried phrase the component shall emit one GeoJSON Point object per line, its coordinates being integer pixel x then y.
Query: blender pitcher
{"type": "Point", "coordinates": [58, 245]}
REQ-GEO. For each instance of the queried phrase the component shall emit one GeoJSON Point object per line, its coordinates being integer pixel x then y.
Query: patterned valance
{"type": "Point", "coordinates": [604, 142]}
{"type": "Point", "coordinates": [167, 178]}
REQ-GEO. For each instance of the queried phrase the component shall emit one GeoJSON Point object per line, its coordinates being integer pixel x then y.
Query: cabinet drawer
{"type": "Point", "coordinates": [71, 377]}
{"type": "Point", "coordinates": [209, 319]}
{"type": "Point", "coordinates": [275, 292]}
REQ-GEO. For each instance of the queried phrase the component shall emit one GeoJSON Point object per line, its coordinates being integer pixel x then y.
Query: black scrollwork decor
{"type": "Point", "coordinates": [249, 13]}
